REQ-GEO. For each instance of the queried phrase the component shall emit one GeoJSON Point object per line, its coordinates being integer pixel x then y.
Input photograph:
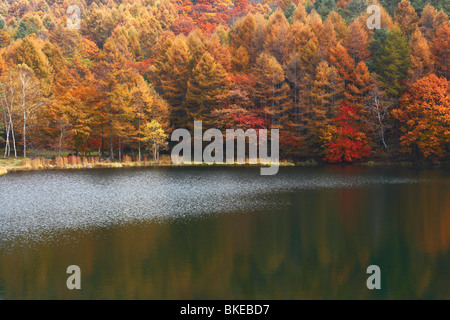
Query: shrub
{"type": "Point", "coordinates": [59, 162]}
{"type": "Point", "coordinates": [72, 160]}
{"type": "Point", "coordinates": [26, 163]}
{"type": "Point", "coordinates": [36, 163]}
{"type": "Point", "coordinates": [126, 159]}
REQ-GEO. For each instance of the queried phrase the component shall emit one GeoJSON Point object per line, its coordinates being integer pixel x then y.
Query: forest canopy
{"type": "Point", "coordinates": [134, 69]}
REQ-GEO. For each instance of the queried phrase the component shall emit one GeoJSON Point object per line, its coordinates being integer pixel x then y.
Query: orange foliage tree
{"type": "Point", "coordinates": [424, 115]}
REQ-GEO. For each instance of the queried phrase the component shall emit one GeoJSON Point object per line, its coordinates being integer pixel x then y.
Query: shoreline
{"type": "Point", "coordinates": [115, 165]}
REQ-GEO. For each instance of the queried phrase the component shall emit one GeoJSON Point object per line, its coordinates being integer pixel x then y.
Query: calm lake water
{"type": "Point", "coordinates": [226, 233]}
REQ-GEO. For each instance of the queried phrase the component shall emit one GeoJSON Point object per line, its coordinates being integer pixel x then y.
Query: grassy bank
{"type": "Point", "coordinates": [74, 162]}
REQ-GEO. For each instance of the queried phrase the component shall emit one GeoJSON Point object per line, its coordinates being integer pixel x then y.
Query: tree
{"type": "Point", "coordinates": [324, 7]}
{"type": "Point", "coordinates": [376, 113]}
{"type": "Point", "coordinates": [237, 108]}
{"type": "Point", "coordinates": [8, 103]}
{"type": "Point", "coordinates": [72, 114]}
{"type": "Point", "coordinates": [300, 14]}
{"type": "Point", "coordinates": [209, 80]}
{"type": "Point", "coordinates": [174, 72]}
{"type": "Point", "coordinates": [342, 61]}
{"type": "Point", "coordinates": [276, 36]}
{"type": "Point", "coordinates": [376, 46]}
{"type": "Point", "coordinates": [407, 18]}
{"type": "Point", "coordinates": [323, 99]}
{"type": "Point", "coordinates": [352, 10]}
{"type": "Point", "coordinates": [29, 51]}
{"type": "Point", "coordinates": [155, 137]}
{"type": "Point", "coordinates": [422, 63]}
{"type": "Point", "coordinates": [271, 91]}
{"type": "Point", "coordinates": [429, 22]}
{"type": "Point", "coordinates": [424, 117]}
{"type": "Point", "coordinates": [392, 63]}
{"type": "Point", "coordinates": [24, 30]}
{"type": "Point", "coordinates": [240, 60]}
{"type": "Point", "coordinates": [328, 40]}
{"type": "Point", "coordinates": [243, 31]}
{"type": "Point", "coordinates": [5, 38]}
{"type": "Point", "coordinates": [357, 43]}
{"type": "Point", "coordinates": [441, 50]}
{"type": "Point", "coordinates": [343, 141]}
{"type": "Point", "coordinates": [323, 95]}
{"type": "Point", "coordinates": [31, 97]}
{"type": "Point", "coordinates": [358, 89]}
{"type": "Point", "coordinates": [240, 7]}
{"type": "Point", "coordinates": [339, 25]}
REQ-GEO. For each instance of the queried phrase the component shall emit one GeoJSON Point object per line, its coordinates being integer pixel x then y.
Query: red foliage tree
{"type": "Point", "coordinates": [344, 142]}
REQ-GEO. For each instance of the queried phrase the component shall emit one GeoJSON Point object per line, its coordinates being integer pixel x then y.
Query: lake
{"type": "Point", "coordinates": [226, 233]}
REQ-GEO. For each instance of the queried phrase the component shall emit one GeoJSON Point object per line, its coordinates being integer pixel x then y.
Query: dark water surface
{"type": "Point", "coordinates": [226, 233]}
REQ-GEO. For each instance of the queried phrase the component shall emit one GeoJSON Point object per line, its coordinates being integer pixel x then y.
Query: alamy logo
{"type": "Point", "coordinates": [214, 152]}
{"type": "Point", "coordinates": [374, 281]}
{"type": "Point", "coordinates": [74, 281]}
{"type": "Point", "coordinates": [73, 22]}
{"type": "Point", "coordinates": [374, 21]}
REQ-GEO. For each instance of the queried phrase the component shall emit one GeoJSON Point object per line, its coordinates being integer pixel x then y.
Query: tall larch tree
{"type": "Point", "coordinates": [324, 97]}
{"type": "Point", "coordinates": [174, 75]}
{"type": "Point", "coordinates": [271, 90]}
{"type": "Point", "coordinates": [208, 81]}
{"type": "Point", "coordinates": [357, 42]}
{"type": "Point", "coordinates": [277, 36]}
{"type": "Point", "coordinates": [300, 14]}
{"type": "Point", "coordinates": [344, 64]}
{"type": "Point", "coordinates": [422, 61]}
{"type": "Point", "coordinates": [430, 21]}
{"type": "Point", "coordinates": [407, 18]}
{"type": "Point", "coordinates": [441, 50]}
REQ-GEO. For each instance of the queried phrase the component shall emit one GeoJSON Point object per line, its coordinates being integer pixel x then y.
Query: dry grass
{"type": "Point", "coordinates": [36, 163]}
{"type": "Point", "coordinates": [127, 159]}
{"type": "Point", "coordinates": [88, 162]}
{"type": "Point", "coordinates": [26, 163]}
{"type": "Point", "coordinates": [59, 162]}
{"type": "Point", "coordinates": [165, 160]}
{"type": "Point", "coordinates": [85, 162]}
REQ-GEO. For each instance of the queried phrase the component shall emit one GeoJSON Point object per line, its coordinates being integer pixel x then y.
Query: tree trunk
{"type": "Point", "coordinates": [7, 145]}
{"type": "Point", "coordinates": [120, 150]}
{"type": "Point", "coordinates": [13, 136]}
{"type": "Point", "coordinates": [24, 136]}
{"type": "Point", "coordinates": [60, 143]}
{"type": "Point", "coordinates": [139, 137]}
{"type": "Point", "coordinates": [111, 148]}
{"type": "Point", "coordinates": [103, 144]}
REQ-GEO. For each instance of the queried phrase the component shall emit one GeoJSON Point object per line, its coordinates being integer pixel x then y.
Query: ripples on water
{"type": "Point", "coordinates": [41, 204]}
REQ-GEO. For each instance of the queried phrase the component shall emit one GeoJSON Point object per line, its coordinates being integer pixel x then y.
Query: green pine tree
{"type": "Point", "coordinates": [392, 63]}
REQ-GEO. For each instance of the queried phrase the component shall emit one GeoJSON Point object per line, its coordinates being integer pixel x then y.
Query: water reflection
{"type": "Point", "coordinates": [311, 233]}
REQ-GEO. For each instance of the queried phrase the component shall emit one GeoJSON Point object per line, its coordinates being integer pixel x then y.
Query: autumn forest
{"type": "Point", "coordinates": [135, 70]}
